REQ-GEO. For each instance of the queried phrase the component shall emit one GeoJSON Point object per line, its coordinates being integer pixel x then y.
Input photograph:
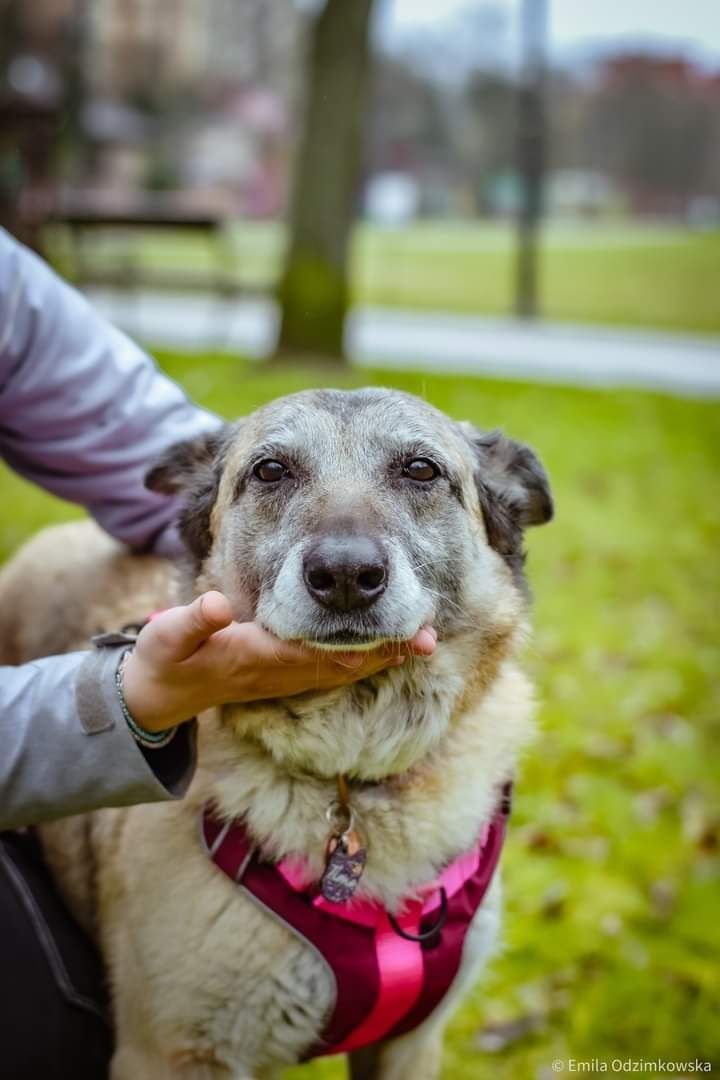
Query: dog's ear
{"type": "Point", "coordinates": [184, 463]}
{"type": "Point", "coordinates": [512, 473]}
{"type": "Point", "coordinates": [513, 488]}
{"type": "Point", "coordinates": [192, 469]}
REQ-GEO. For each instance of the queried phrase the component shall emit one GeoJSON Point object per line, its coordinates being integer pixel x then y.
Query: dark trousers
{"type": "Point", "coordinates": [53, 1002]}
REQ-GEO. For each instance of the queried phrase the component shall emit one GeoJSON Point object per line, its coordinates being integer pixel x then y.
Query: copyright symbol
{"type": "Point", "coordinates": [558, 1066]}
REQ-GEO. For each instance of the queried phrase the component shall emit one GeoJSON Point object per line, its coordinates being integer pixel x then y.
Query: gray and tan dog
{"type": "Point", "coordinates": [339, 519]}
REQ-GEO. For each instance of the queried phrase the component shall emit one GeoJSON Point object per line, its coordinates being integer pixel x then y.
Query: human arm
{"type": "Point", "coordinates": [84, 411]}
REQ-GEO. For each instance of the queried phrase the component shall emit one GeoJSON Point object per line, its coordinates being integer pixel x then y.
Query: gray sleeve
{"type": "Point", "coordinates": [65, 747]}
{"type": "Point", "coordinates": [83, 411]}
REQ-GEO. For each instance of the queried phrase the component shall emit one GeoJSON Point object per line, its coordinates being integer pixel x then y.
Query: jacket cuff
{"type": "Point", "coordinates": [154, 774]}
{"type": "Point", "coordinates": [174, 764]}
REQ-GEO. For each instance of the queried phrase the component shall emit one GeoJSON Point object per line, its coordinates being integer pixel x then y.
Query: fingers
{"type": "Point", "coordinates": [252, 663]}
{"type": "Point", "coordinates": [424, 642]}
{"type": "Point", "coordinates": [349, 661]}
{"type": "Point", "coordinates": [215, 610]}
{"type": "Point", "coordinates": [265, 646]}
{"type": "Point", "coordinates": [389, 655]}
{"type": "Point", "coordinates": [182, 630]}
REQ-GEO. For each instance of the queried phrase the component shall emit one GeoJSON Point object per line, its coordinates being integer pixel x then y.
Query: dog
{"type": "Point", "coordinates": [341, 520]}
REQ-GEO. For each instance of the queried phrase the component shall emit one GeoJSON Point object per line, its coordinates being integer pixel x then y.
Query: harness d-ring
{"type": "Point", "coordinates": [341, 816]}
{"type": "Point", "coordinates": [426, 934]}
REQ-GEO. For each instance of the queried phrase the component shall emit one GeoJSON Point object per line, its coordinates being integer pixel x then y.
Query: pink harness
{"type": "Point", "coordinates": [389, 973]}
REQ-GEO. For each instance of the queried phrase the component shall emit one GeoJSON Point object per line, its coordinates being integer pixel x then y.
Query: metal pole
{"type": "Point", "coordinates": [531, 155]}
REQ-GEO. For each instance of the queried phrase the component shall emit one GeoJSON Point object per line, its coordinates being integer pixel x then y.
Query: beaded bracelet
{"type": "Point", "coordinates": [152, 740]}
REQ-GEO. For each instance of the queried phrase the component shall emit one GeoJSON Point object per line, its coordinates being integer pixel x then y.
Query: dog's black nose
{"type": "Point", "coordinates": [345, 573]}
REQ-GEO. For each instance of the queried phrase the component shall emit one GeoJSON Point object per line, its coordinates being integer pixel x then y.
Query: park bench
{"type": "Point", "coordinates": [84, 230]}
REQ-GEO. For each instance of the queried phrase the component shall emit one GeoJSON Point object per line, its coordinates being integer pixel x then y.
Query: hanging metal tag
{"type": "Point", "coordinates": [346, 858]}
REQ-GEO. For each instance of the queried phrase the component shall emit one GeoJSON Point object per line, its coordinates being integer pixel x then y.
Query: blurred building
{"type": "Point", "coordinates": [135, 40]}
{"type": "Point", "coordinates": [653, 125]}
{"type": "Point", "coordinates": [215, 80]}
{"type": "Point", "coordinates": [190, 44]}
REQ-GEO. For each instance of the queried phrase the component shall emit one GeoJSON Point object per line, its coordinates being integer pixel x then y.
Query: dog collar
{"type": "Point", "coordinates": [389, 972]}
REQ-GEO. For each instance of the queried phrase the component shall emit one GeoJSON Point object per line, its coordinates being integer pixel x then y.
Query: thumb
{"type": "Point", "coordinates": [182, 630]}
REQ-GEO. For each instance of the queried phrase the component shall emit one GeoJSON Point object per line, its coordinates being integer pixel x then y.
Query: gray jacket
{"type": "Point", "coordinates": [83, 412]}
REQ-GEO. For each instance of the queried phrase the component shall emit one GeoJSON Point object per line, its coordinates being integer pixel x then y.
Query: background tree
{"type": "Point", "coordinates": [313, 290]}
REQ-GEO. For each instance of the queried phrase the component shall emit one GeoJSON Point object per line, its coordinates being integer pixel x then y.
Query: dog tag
{"type": "Point", "coordinates": [344, 867]}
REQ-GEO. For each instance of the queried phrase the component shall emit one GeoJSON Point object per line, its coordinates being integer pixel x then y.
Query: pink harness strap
{"type": "Point", "coordinates": [386, 983]}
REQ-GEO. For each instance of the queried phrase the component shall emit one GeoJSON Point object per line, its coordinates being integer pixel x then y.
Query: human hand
{"type": "Point", "coordinates": [193, 657]}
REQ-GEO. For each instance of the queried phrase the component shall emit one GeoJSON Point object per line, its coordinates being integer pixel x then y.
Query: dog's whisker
{"type": "Point", "coordinates": [445, 601]}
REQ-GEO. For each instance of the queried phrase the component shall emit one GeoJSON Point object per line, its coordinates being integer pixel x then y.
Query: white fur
{"type": "Point", "coordinates": [287, 609]}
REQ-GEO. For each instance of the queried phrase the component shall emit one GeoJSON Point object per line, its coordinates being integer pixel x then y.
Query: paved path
{"type": "Point", "coordinates": [425, 341]}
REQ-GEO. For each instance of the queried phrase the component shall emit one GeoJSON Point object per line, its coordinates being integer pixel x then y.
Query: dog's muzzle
{"type": "Point", "coordinates": [345, 573]}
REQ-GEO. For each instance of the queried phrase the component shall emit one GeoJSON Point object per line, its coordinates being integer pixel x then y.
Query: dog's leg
{"type": "Point", "coordinates": [132, 1063]}
{"type": "Point", "coordinates": [365, 1064]}
{"type": "Point", "coordinates": [417, 1055]}
{"type": "Point", "coordinates": [403, 1059]}
{"type": "Point", "coordinates": [142, 1053]}
{"type": "Point", "coordinates": [414, 1057]}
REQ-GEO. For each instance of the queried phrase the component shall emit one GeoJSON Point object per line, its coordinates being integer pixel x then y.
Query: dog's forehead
{"type": "Point", "coordinates": [352, 421]}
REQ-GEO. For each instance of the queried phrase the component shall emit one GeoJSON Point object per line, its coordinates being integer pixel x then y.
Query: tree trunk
{"type": "Point", "coordinates": [313, 290]}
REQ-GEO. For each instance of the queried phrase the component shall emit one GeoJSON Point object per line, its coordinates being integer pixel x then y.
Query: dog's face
{"type": "Point", "coordinates": [344, 519]}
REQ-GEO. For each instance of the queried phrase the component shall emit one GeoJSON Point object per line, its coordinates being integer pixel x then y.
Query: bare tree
{"type": "Point", "coordinates": [313, 290]}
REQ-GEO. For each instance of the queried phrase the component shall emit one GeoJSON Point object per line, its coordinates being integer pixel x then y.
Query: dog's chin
{"type": "Point", "coordinates": [342, 639]}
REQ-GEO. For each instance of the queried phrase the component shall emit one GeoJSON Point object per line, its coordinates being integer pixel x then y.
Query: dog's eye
{"type": "Point", "coordinates": [270, 471]}
{"type": "Point", "coordinates": [421, 469]}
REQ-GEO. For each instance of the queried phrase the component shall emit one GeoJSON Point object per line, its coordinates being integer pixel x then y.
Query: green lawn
{"type": "Point", "coordinates": [662, 277]}
{"type": "Point", "coordinates": [612, 934]}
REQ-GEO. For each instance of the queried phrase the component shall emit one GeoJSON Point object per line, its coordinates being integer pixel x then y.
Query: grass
{"type": "Point", "coordinates": [612, 937]}
{"type": "Point", "coordinates": [628, 275]}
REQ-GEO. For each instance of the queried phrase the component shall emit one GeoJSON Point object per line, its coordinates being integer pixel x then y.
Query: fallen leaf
{"type": "Point", "coordinates": [663, 895]}
{"type": "Point", "coordinates": [496, 1037]}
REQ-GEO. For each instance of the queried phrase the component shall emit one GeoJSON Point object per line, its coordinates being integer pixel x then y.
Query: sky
{"type": "Point", "coordinates": [693, 25]}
